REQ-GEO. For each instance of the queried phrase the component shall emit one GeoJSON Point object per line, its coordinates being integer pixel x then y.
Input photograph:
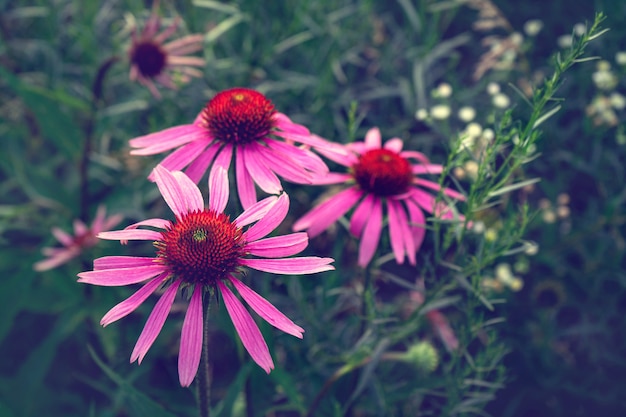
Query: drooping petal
{"type": "Point", "coordinates": [155, 322]}
{"type": "Point", "coordinates": [117, 262]}
{"type": "Point", "coordinates": [361, 214]}
{"type": "Point", "coordinates": [304, 157]}
{"type": "Point", "coordinates": [270, 221]}
{"type": "Point", "coordinates": [167, 139]}
{"type": "Point", "coordinates": [418, 156]}
{"type": "Point", "coordinates": [131, 303]}
{"type": "Point", "coordinates": [130, 235]}
{"type": "Point", "coordinates": [218, 189]}
{"type": "Point", "coordinates": [121, 276]}
{"type": "Point", "coordinates": [246, 328]}
{"type": "Point", "coordinates": [190, 191]}
{"type": "Point", "coordinates": [171, 191]}
{"type": "Point", "coordinates": [279, 246]}
{"type": "Point", "coordinates": [183, 156]}
{"type": "Point", "coordinates": [199, 166]}
{"type": "Point", "coordinates": [282, 164]}
{"type": "Point", "coordinates": [260, 172]}
{"type": "Point", "coordinates": [159, 223]}
{"type": "Point", "coordinates": [256, 211]}
{"type": "Point", "coordinates": [418, 223]}
{"type": "Point", "coordinates": [331, 178]}
{"type": "Point", "coordinates": [322, 216]}
{"type": "Point", "coordinates": [395, 231]}
{"type": "Point", "coordinates": [284, 123]}
{"type": "Point", "coordinates": [191, 340]}
{"type": "Point", "coordinates": [290, 266]}
{"type": "Point", "coordinates": [371, 234]}
{"type": "Point", "coordinates": [407, 233]}
{"type": "Point", "coordinates": [266, 310]}
{"type": "Point", "coordinates": [427, 169]}
{"type": "Point", "coordinates": [434, 186]}
{"type": "Point", "coordinates": [63, 237]}
{"type": "Point", "coordinates": [245, 185]}
{"type": "Point", "coordinates": [57, 258]}
{"type": "Point", "coordinates": [223, 157]}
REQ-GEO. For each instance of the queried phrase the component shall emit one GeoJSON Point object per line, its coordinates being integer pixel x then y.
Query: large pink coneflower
{"type": "Point", "coordinates": [152, 59]}
{"type": "Point", "coordinates": [73, 245]}
{"type": "Point", "coordinates": [204, 250]}
{"type": "Point", "coordinates": [380, 174]}
{"type": "Point", "coordinates": [245, 123]}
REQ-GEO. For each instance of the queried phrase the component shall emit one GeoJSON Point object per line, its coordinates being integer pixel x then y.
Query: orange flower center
{"type": "Point", "coordinates": [239, 116]}
{"type": "Point", "coordinates": [382, 172]}
{"type": "Point", "coordinates": [149, 58]}
{"type": "Point", "coordinates": [202, 247]}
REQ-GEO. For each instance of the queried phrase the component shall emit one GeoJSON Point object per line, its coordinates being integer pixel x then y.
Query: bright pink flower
{"type": "Point", "coordinates": [84, 237]}
{"type": "Point", "coordinates": [245, 123]}
{"type": "Point", "coordinates": [203, 249]}
{"type": "Point", "coordinates": [151, 59]}
{"type": "Point", "coordinates": [381, 174]}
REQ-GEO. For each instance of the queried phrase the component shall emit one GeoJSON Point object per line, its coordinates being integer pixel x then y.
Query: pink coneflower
{"type": "Point", "coordinates": [243, 122]}
{"type": "Point", "coordinates": [84, 237]}
{"type": "Point", "coordinates": [381, 174]}
{"type": "Point", "coordinates": [204, 250]}
{"type": "Point", "coordinates": [151, 59]}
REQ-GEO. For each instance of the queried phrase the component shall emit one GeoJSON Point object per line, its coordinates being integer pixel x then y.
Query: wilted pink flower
{"type": "Point", "coordinates": [203, 249]}
{"type": "Point", "coordinates": [243, 122]}
{"type": "Point", "coordinates": [84, 237]}
{"type": "Point", "coordinates": [151, 59]}
{"type": "Point", "coordinates": [381, 174]}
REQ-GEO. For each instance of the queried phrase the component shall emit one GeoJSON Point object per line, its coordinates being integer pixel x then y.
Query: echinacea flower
{"type": "Point", "coordinates": [152, 59]}
{"type": "Point", "coordinates": [204, 250]}
{"type": "Point", "coordinates": [381, 174]}
{"type": "Point", "coordinates": [245, 123]}
{"type": "Point", "coordinates": [84, 237]}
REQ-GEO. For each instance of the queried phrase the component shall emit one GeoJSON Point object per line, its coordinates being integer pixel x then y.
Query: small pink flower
{"type": "Point", "coordinates": [381, 174]}
{"type": "Point", "coordinates": [245, 123]}
{"type": "Point", "coordinates": [151, 59]}
{"type": "Point", "coordinates": [84, 237]}
{"type": "Point", "coordinates": [202, 249]}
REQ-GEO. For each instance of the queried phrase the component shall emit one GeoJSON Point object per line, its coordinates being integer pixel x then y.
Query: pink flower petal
{"type": "Point", "coordinates": [423, 199]}
{"type": "Point", "coordinates": [245, 184]}
{"type": "Point", "coordinates": [322, 216]}
{"type": "Point", "coordinates": [191, 340]}
{"type": "Point", "coordinates": [418, 223]}
{"type": "Point", "coordinates": [270, 221]}
{"type": "Point", "coordinates": [303, 157]}
{"type": "Point", "coordinates": [266, 310]}
{"type": "Point", "coordinates": [331, 178]}
{"type": "Point", "coordinates": [373, 139]}
{"type": "Point", "coordinates": [223, 157]}
{"type": "Point", "coordinates": [59, 258]}
{"type": "Point", "coordinates": [121, 276]}
{"type": "Point", "coordinates": [260, 172]}
{"type": "Point", "coordinates": [130, 235]}
{"type": "Point", "coordinates": [218, 189]}
{"type": "Point", "coordinates": [166, 139]}
{"type": "Point", "coordinates": [395, 230]}
{"type": "Point", "coordinates": [256, 211]}
{"type": "Point", "coordinates": [284, 123]}
{"type": "Point", "coordinates": [361, 214]}
{"type": "Point", "coordinates": [434, 186]}
{"type": "Point", "coordinates": [155, 322]}
{"type": "Point", "coordinates": [190, 191]}
{"type": "Point", "coordinates": [64, 238]}
{"type": "Point", "coordinates": [117, 262]}
{"type": "Point", "coordinates": [423, 159]}
{"type": "Point", "coordinates": [394, 145]}
{"type": "Point", "coordinates": [182, 156]}
{"type": "Point", "coordinates": [131, 303]}
{"type": "Point", "coordinates": [279, 246]}
{"type": "Point", "coordinates": [80, 228]}
{"type": "Point", "coordinates": [371, 234]}
{"type": "Point", "coordinates": [159, 223]}
{"type": "Point", "coordinates": [171, 191]}
{"type": "Point", "coordinates": [281, 164]}
{"type": "Point", "coordinates": [427, 169]}
{"type": "Point", "coordinates": [247, 329]}
{"type": "Point", "coordinates": [290, 266]}
{"type": "Point", "coordinates": [407, 234]}
{"type": "Point", "coordinates": [199, 166]}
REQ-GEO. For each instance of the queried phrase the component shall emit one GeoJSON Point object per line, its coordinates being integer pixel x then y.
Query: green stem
{"type": "Point", "coordinates": [204, 381]}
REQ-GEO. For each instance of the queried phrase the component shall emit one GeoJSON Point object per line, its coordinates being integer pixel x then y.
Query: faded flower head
{"type": "Point", "coordinates": [72, 245]}
{"type": "Point", "coordinates": [204, 251]}
{"type": "Point", "coordinates": [381, 176]}
{"type": "Point", "coordinates": [153, 60]}
{"type": "Point", "coordinates": [244, 123]}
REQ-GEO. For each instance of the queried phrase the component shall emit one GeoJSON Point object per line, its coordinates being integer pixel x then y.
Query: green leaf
{"type": "Point", "coordinates": [139, 404]}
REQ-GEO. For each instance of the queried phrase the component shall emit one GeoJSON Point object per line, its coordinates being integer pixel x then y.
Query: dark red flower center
{"type": "Point", "coordinates": [239, 116]}
{"type": "Point", "coordinates": [202, 247]}
{"type": "Point", "coordinates": [149, 58]}
{"type": "Point", "coordinates": [382, 172]}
